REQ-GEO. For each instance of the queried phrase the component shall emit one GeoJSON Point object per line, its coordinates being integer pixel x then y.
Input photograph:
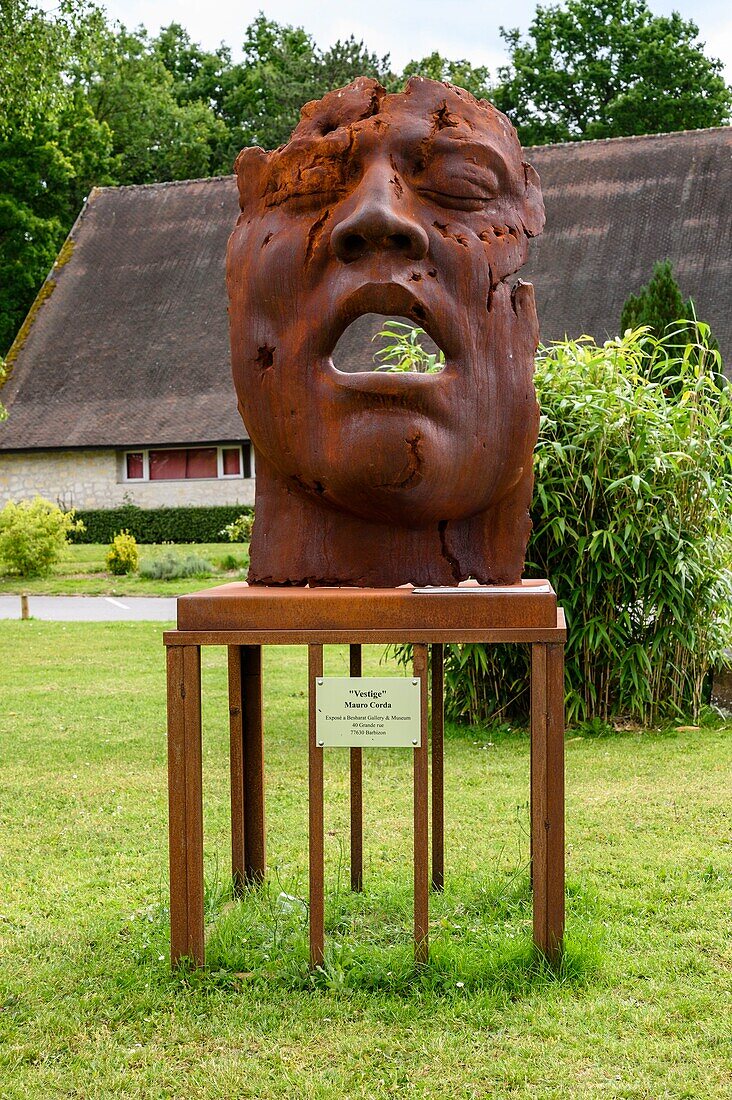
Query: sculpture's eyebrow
{"type": "Point", "coordinates": [476, 152]}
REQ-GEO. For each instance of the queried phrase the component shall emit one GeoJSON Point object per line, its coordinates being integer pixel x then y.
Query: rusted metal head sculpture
{"type": "Point", "coordinates": [416, 205]}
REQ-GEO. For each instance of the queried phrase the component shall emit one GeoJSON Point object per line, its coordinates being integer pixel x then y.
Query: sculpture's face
{"type": "Point", "coordinates": [415, 205]}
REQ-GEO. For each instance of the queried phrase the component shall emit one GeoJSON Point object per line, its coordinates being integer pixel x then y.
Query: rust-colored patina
{"type": "Point", "coordinates": [416, 205]}
{"type": "Point", "coordinates": [246, 618]}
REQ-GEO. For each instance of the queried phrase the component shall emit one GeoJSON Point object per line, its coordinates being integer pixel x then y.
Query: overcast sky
{"type": "Point", "coordinates": [411, 29]}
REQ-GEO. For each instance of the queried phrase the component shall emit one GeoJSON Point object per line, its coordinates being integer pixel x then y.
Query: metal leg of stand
{"type": "Point", "coordinates": [421, 816]}
{"type": "Point", "coordinates": [438, 767]}
{"type": "Point", "coordinates": [547, 796]}
{"type": "Point", "coordinates": [248, 845]}
{"type": "Point", "coordinates": [356, 762]}
{"type": "Point", "coordinates": [316, 842]}
{"type": "Point", "coordinates": [185, 800]}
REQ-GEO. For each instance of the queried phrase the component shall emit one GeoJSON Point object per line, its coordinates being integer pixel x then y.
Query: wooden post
{"type": "Point", "coordinates": [438, 767]}
{"type": "Point", "coordinates": [24, 614]}
{"type": "Point", "coordinates": [356, 792]}
{"type": "Point", "coordinates": [316, 837]}
{"type": "Point", "coordinates": [547, 796]}
{"type": "Point", "coordinates": [248, 841]}
{"type": "Point", "coordinates": [185, 804]}
{"type": "Point", "coordinates": [421, 815]}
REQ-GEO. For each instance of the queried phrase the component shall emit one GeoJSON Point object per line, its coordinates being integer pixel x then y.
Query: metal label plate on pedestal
{"type": "Point", "coordinates": [363, 711]}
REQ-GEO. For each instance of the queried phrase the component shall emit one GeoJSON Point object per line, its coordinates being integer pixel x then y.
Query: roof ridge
{"type": "Point", "coordinates": [162, 183]}
{"type": "Point", "coordinates": [629, 137]}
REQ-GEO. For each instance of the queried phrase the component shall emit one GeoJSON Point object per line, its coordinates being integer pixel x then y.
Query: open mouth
{"type": "Point", "coordinates": [388, 344]}
{"type": "Point", "coordinates": [383, 328]}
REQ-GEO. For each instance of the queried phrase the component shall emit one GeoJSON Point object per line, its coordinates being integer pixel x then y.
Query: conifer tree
{"type": "Point", "coordinates": [658, 304]}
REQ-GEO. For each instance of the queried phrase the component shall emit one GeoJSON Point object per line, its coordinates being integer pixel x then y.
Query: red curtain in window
{"type": "Point", "coordinates": [232, 461]}
{"type": "Point", "coordinates": [181, 465]}
{"type": "Point", "coordinates": [135, 466]}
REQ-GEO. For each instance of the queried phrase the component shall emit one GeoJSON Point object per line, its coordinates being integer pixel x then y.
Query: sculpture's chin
{"type": "Point", "coordinates": [404, 471]}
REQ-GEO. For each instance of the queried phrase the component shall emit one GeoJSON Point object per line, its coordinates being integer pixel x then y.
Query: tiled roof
{"type": "Point", "coordinates": [131, 346]}
{"type": "Point", "coordinates": [614, 208]}
{"type": "Point", "coordinates": [128, 343]}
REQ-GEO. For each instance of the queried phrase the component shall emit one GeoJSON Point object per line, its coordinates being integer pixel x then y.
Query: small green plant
{"type": "Point", "coordinates": [33, 535]}
{"type": "Point", "coordinates": [406, 353]}
{"type": "Point", "coordinates": [240, 530]}
{"type": "Point", "coordinates": [123, 556]}
{"type": "Point", "coordinates": [229, 562]}
{"type": "Point", "coordinates": [170, 566]}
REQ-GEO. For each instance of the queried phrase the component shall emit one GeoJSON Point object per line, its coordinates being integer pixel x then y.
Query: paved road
{"type": "Point", "coordinates": [91, 609]}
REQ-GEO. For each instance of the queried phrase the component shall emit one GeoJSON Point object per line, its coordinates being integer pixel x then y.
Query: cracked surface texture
{"type": "Point", "coordinates": [416, 205]}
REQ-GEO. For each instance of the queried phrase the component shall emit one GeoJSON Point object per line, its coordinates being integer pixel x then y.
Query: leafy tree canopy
{"type": "Point", "coordinates": [157, 134]}
{"type": "Point", "coordinates": [435, 67]}
{"type": "Point", "coordinates": [607, 68]}
{"type": "Point", "coordinates": [37, 51]}
{"type": "Point", "coordinates": [283, 69]}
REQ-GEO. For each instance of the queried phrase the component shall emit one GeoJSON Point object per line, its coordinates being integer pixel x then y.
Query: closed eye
{"type": "Point", "coordinates": [468, 200]}
{"type": "Point", "coordinates": [307, 197]}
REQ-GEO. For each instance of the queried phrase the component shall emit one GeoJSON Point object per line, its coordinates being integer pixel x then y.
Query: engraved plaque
{"type": "Point", "coordinates": [363, 711]}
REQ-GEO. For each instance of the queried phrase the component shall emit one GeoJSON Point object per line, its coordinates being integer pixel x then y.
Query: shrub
{"type": "Point", "coordinates": [123, 556]}
{"type": "Point", "coordinates": [156, 525]}
{"type": "Point", "coordinates": [33, 535]}
{"type": "Point", "coordinates": [169, 566]}
{"type": "Point", "coordinates": [632, 525]}
{"type": "Point", "coordinates": [240, 529]}
{"type": "Point", "coordinates": [229, 562]}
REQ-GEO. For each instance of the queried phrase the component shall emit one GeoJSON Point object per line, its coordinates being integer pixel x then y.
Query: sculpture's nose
{"type": "Point", "coordinates": [379, 222]}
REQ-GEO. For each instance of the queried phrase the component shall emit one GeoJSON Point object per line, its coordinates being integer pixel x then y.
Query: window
{"type": "Point", "coordinates": [188, 463]}
{"type": "Point", "coordinates": [231, 461]}
{"type": "Point", "coordinates": [135, 466]}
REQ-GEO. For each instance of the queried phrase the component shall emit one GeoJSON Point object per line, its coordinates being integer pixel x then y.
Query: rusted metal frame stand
{"type": "Point", "coordinates": [356, 762]}
{"type": "Point", "coordinates": [421, 814]}
{"type": "Point", "coordinates": [248, 844]}
{"type": "Point", "coordinates": [185, 800]}
{"type": "Point", "coordinates": [247, 794]}
{"type": "Point", "coordinates": [438, 766]}
{"type": "Point", "coordinates": [315, 816]}
{"type": "Point", "coordinates": [547, 796]}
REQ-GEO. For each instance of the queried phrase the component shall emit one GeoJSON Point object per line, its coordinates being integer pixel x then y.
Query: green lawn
{"type": "Point", "coordinates": [642, 1006]}
{"type": "Point", "coordinates": [83, 572]}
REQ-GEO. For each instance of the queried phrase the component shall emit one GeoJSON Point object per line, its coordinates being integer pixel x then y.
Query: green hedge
{"type": "Point", "coordinates": [158, 524]}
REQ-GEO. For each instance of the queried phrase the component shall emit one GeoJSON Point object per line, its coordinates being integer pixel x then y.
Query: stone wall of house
{"type": "Point", "coordinates": [93, 479]}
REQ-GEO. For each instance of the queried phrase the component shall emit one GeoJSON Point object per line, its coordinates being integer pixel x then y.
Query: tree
{"type": "Point", "coordinates": [265, 92]}
{"type": "Point", "coordinates": [607, 68]}
{"type": "Point", "coordinates": [37, 51]}
{"type": "Point", "coordinates": [660, 306]}
{"type": "Point", "coordinates": [198, 74]}
{"type": "Point", "coordinates": [282, 70]}
{"type": "Point", "coordinates": [52, 149]}
{"type": "Point", "coordinates": [154, 137]}
{"type": "Point", "coordinates": [346, 60]}
{"type": "Point", "coordinates": [46, 171]}
{"type": "Point", "coordinates": [435, 67]}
